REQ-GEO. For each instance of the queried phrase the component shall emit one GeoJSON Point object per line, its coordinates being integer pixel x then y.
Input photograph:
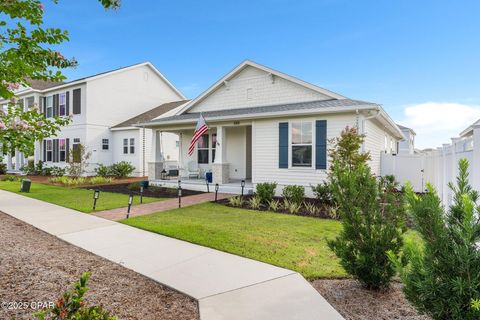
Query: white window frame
{"type": "Point", "coordinates": [203, 149]}
{"type": "Point", "coordinates": [49, 106]}
{"type": "Point", "coordinates": [132, 146]}
{"type": "Point", "coordinates": [60, 149]}
{"type": "Point", "coordinates": [125, 148]}
{"type": "Point", "coordinates": [49, 149]}
{"type": "Point", "coordinates": [128, 145]}
{"type": "Point", "coordinates": [64, 94]}
{"type": "Point", "coordinates": [291, 144]}
{"type": "Point", "coordinates": [105, 142]}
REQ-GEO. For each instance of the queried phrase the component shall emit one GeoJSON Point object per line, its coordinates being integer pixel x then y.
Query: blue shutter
{"type": "Point", "coordinates": [321, 144]}
{"type": "Point", "coordinates": [283, 145]}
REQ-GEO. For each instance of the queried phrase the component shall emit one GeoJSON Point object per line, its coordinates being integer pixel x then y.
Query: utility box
{"type": "Point", "coordinates": [26, 183]}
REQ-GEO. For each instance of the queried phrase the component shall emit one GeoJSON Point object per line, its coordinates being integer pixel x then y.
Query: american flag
{"type": "Point", "coordinates": [200, 129]}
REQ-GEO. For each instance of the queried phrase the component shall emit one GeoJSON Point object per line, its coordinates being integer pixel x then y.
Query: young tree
{"type": "Point", "coordinates": [442, 277]}
{"type": "Point", "coordinates": [77, 160]}
{"type": "Point", "coordinates": [372, 215]}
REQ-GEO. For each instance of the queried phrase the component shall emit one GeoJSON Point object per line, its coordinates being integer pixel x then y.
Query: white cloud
{"type": "Point", "coordinates": [437, 122]}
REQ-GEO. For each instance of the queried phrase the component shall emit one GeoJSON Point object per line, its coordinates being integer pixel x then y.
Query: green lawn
{"type": "Point", "coordinates": [78, 199]}
{"type": "Point", "coordinates": [293, 242]}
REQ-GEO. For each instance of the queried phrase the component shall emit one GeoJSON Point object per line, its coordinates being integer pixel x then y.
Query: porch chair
{"type": "Point", "coordinates": [193, 170]}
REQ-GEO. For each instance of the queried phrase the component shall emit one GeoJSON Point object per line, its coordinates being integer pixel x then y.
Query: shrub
{"type": "Point", "coordinates": [442, 277]}
{"type": "Point", "coordinates": [294, 193]}
{"type": "Point", "coordinates": [254, 203]}
{"type": "Point", "coordinates": [71, 305]}
{"type": "Point", "coordinates": [121, 169]}
{"type": "Point", "coordinates": [291, 207]}
{"type": "Point", "coordinates": [100, 180]}
{"type": "Point", "coordinates": [103, 170]}
{"type": "Point", "coordinates": [236, 201]}
{"type": "Point", "coordinates": [274, 205]}
{"type": "Point", "coordinates": [266, 191]}
{"type": "Point", "coordinates": [134, 186]}
{"type": "Point", "coordinates": [323, 193]}
{"type": "Point", "coordinates": [373, 224]}
{"type": "Point", "coordinates": [57, 171]}
{"type": "Point", "coordinates": [373, 219]}
{"type": "Point", "coordinates": [10, 178]}
{"type": "Point", "coordinates": [68, 181]}
{"type": "Point", "coordinates": [3, 166]}
{"type": "Point", "coordinates": [311, 208]}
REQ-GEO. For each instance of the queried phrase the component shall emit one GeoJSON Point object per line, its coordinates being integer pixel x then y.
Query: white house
{"type": "Point", "coordinates": [407, 145]}
{"type": "Point", "coordinates": [104, 107]}
{"type": "Point", "coordinates": [267, 126]}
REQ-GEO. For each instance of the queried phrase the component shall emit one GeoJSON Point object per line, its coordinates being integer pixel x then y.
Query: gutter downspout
{"type": "Point", "coordinates": [362, 131]}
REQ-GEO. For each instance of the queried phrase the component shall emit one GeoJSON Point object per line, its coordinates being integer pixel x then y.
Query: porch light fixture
{"type": "Point", "coordinates": [96, 195]}
{"type": "Point", "coordinates": [130, 201]}
{"type": "Point", "coordinates": [216, 191]}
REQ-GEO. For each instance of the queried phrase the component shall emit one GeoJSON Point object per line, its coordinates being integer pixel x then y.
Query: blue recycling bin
{"type": "Point", "coordinates": [209, 177]}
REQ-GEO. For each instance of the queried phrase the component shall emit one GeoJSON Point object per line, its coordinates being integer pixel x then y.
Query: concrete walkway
{"type": "Point", "coordinates": [226, 286]}
{"type": "Point", "coordinates": [147, 208]}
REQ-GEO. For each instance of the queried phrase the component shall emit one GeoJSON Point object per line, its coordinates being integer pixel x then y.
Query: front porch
{"type": "Point", "coordinates": [224, 153]}
{"type": "Point", "coordinates": [233, 187]}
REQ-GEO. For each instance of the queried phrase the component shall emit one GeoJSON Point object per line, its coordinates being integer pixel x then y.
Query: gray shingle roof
{"type": "Point", "coordinates": [150, 114]}
{"type": "Point", "coordinates": [42, 84]}
{"type": "Point", "coordinates": [311, 105]}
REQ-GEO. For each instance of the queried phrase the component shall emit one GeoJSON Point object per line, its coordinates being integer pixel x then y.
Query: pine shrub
{"type": "Point", "coordinates": [442, 277]}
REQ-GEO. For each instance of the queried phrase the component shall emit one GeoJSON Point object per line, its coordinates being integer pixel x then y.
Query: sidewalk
{"type": "Point", "coordinates": [226, 286]}
{"type": "Point", "coordinates": [147, 208]}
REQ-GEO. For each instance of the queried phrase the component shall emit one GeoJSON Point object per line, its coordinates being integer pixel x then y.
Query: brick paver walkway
{"type": "Point", "coordinates": [147, 208]}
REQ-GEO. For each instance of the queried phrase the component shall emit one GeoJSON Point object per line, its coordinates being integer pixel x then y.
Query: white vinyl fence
{"type": "Point", "coordinates": [437, 167]}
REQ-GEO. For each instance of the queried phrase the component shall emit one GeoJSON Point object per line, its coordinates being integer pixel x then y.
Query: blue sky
{"type": "Point", "coordinates": [419, 59]}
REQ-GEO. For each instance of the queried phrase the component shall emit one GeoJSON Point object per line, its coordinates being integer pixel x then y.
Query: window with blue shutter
{"type": "Point", "coordinates": [321, 144]}
{"type": "Point", "coordinates": [283, 145]}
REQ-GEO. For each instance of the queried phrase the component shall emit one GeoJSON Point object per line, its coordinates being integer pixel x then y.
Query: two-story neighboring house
{"type": "Point", "coordinates": [103, 108]}
{"type": "Point", "coordinates": [406, 146]}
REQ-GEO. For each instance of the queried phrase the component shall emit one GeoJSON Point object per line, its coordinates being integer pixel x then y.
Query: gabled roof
{"type": "Point", "coordinates": [249, 63]}
{"type": "Point", "coordinates": [406, 128]}
{"type": "Point", "coordinates": [279, 109]}
{"type": "Point", "coordinates": [150, 114]}
{"type": "Point", "coordinates": [42, 84]}
{"type": "Point", "coordinates": [58, 85]}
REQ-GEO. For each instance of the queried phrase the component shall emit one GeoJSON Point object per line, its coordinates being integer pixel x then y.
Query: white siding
{"type": "Point", "coordinates": [118, 155]}
{"type": "Point", "coordinates": [123, 95]}
{"type": "Point", "coordinates": [265, 151]}
{"type": "Point", "coordinates": [375, 143]}
{"type": "Point", "coordinates": [253, 87]}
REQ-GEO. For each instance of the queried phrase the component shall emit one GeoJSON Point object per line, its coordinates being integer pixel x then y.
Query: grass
{"type": "Point", "coordinates": [293, 242]}
{"type": "Point", "coordinates": [77, 199]}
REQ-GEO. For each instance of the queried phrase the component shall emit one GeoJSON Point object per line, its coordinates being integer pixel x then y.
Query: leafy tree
{"type": "Point", "coordinates": [20, 129]}
{"type": "Point", "coordinates": [346, 149]}
{"type": "Point", "coordinates": [77, 160]}
{"type": "Point", "coordinates": [442, 277]}
{"type": "Point", "coordinates": [373, 217]}
{"type": "Point", "coordinates": [26, 53]}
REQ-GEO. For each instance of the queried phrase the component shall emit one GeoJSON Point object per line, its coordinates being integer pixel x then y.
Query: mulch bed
{"type": "Point", "coordinates": [356, 303]}
{"type": "Point", "coordinates": [35, 266]}
{"type": "Point", "coordinates": [151, 191]}
{"type": "Point", "coordinates": [322, 214]}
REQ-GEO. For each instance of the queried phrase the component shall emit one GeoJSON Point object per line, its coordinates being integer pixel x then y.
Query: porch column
{"type": "Point", "coordinates": [220, 167]}
{"type": "Point", "coordinates": [155, 166]}
{"type": "Point", "coordinates": [475, 165]}
{"type": "Point", "coordinates": [9, 162]}
{"type": "Point", "coordinates": [18, 160]}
